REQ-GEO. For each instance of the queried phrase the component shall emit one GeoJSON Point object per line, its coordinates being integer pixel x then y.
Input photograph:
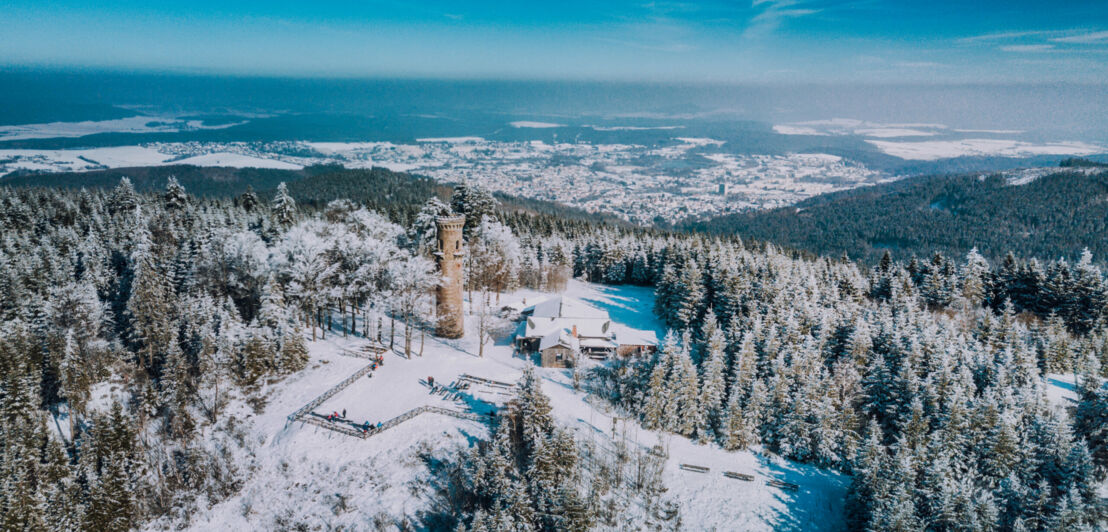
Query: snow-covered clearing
{"type": "Point", "coordinates": [850, 126]}
{"type": "Point", "coordinates": [941, 149]}
{"type": "Point", "coordinates": [631, 128]}
{"type": "Point", "coordinates": [304, 474]}
{"type": "Point", "coordinates": [236, 160]}
{"type": "Point", "coordinates": [452, 140]}
{"type": "Point", "coordinates": [80, 160]}
{"type": "Point", "coordinates": [1062, 389]}
{"type": "Point", "coordinates": [534, 125]}
{"type": "Point", "coordinates": [132, 124]}
{"type": "Point", "coordinates": [122, 157]}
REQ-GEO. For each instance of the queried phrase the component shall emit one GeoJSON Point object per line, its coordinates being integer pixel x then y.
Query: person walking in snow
{"type": "Point", "coordinates": [344, 413]}
{"type": "Point", "coordinates": [431, 381]}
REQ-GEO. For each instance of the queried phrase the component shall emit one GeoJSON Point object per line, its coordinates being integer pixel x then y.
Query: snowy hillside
{"type": "Point", "coordinates": [307, 475]}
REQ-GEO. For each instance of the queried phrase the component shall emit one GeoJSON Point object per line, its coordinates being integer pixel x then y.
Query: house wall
{"type": "Point", "coordinates": [550, 359]}
{"type": "Point", "coordinates": [628, 350]}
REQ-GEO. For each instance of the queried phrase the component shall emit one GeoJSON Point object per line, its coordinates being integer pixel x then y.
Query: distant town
{"type": "Point", "coordinates": [689, 177]}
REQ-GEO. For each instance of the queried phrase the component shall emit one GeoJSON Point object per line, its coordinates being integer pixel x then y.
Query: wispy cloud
{"type": "Point", "coordinates": [1096, 37]}
{"type": "Point", "coordinates": [1027, 48]}
{"type": "Point", "coordinates": [672, 47]}
{"type": "Point", "coordinates": [919, 64]}
{"type": "Point", "coordinates": [771, 14]}
{"type": "Point", "coordinates": [1006, 36]}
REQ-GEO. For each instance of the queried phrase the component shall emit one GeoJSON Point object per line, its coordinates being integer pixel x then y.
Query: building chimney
{"type": "Point", "coordinates": [575, 331]}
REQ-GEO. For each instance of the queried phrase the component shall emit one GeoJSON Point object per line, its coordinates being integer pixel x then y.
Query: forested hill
{"type": "Point", "coordinates": [397, 194]}
{"type": "Point", "coordinates": [1053, 216]}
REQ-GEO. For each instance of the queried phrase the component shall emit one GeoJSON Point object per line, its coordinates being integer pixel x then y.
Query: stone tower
{"type": "Point", "coordinates": [448, 295]}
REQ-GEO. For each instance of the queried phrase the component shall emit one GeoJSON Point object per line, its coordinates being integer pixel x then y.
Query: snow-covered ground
{"type": "Point", "coordinates": [1024, 176]}
{"type": "Point", "coordinates": [132, 124]}
{"type": "Point", "coordinates": [80, 160]}
{"type": "Point", "coordinates": [126, 156]}
{"type": "Point", "coordinates": [850, 126]}
{"type": "Point", "coordinates": [1061, 389]}
{"type": "Point", "coordinates": [534, 125]}
{"type": "Point", "coordinates": [306, 475]}
{"type": "Point", "coordinates": [236, 160]}
{"type": "Point", "coordinates": [932, 150]}
{"type": "Point", "coordinates": [950, 142]}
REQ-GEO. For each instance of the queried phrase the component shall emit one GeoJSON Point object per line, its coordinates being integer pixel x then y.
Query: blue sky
{"type": "Point", "coordinates": [726, 41]}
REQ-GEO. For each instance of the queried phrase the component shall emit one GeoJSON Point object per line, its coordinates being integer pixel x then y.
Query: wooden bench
{"type": "Point", "coordinates": [782, 484]}
{"type": "Point", "coordinates": [738, 476]}
{"type": "Point", "coordinates": [694, 468]}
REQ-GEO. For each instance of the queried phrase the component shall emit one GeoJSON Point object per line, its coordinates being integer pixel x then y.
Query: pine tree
{"type": "Point", "coordinates": [148, 307]}
{"type": "Point", "coordinates": [248, 200]}
{"type": "Point", "coordinates": [177, 392]}
{"type": "Point", "coordinates": [685, 408]}
{"type": "Point", "coordinates": [124, 199]}
{"type": "Point", "coordinates": [475, 202]}
{"type": "Point", "coordinates": [690, 295]}
{"type": "Point", "coordinates": [658, 392]}
{"type": "Point", "coordinates": [1090, 422]}
{"type": "Point", "coordinates": [256, 358]}
{"type": "Point", "coordinates": [113, 471]}
{"type": "Point", "coordinates": [712, 386]}
{"type": "Point", "coordinates": [868, 487]}
{"type": "Point", "coordinates": [975, 274]}
{"type": "Point", "coordinates": [175, 196]}
{"type": "Point", "coordinates": [283, 208]}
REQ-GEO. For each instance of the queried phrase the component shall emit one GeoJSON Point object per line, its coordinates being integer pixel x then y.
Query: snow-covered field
{"type": "Point", "coordinates": [932, 150]}
{"type": "Point", "coordinates": [306, 475]}
{"type": "Point", "coordinates": [133, 124]}
{"type": "Point", "coordinates": [236, 160]}
{"type": "Point", "coordinates": [850, 126]}
{"type": "Point", "coordinates": [80, 160]}
{"type": "Point", "coordinates": [952, 142]}
{"type": "Point", "coordinates": [534, 125]}
{"type": "Point", "coordinates": [125, 156]}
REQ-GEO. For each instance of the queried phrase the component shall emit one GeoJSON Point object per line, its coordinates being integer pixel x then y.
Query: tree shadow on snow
{"type": "Point", "coordinates": [443, 484]}
{"type": "Point", "coordinates": [632, 306]}
{"type": "Point", "coordinates": [817, 504]}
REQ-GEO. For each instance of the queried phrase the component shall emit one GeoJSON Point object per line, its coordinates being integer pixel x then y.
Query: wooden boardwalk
{"type": "Point", "coordinates": [306, 414]}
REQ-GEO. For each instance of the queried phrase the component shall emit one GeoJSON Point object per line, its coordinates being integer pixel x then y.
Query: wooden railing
{"type": "Point", "coordinates": [307, 409]}
{"type": "Point", "coordinates": [348, 430]}
{"type": "Point", "coordinates": [304, 413]}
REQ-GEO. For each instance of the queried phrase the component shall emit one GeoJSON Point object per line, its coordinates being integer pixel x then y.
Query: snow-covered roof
{"type": "Point", "coordinates": [567, 307]}
{"type": "Point", "coordinates": [625, 335]}
{"type": "Point", "coordinates": [560, 337]}
{"type": "Point", "coordinates": [598, 342]}
{"type": "Point", "coordinates": [596, 328]}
